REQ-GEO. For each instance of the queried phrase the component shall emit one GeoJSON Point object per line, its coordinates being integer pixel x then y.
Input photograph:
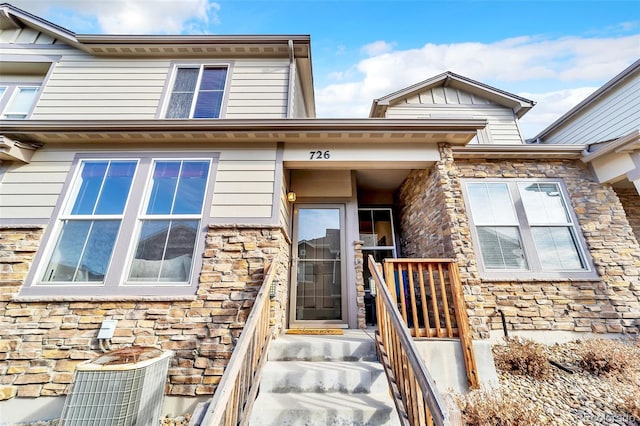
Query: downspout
{"type": "Point", "coordinates": [292, 70]}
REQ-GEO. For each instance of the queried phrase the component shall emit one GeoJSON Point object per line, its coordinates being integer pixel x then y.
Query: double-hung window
{"type": "Point", "coordinates": [130, 226]}
{"type": "Point", "coordinates": [525, 228]}
{"type": "Point", "coordinates": [197, 92]}
{"type": "Point", "coordinates": [16, 101]}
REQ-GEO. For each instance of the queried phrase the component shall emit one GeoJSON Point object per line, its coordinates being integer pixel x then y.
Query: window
{"type": "Point", "coordinates": [197, 92]}
{"type": "Point", "coordinates": [129, 226]}
{"type": "Point", "coordinates": [525, 227]}
{"type": "Point", "coordinates": [16, 101]}
{"type": "Point", "coordinates": [378, 237]}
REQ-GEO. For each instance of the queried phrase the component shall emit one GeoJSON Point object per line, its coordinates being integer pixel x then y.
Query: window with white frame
{"type": "Point", "coordinates": [197, 91]}
{"type": "Point", "coordinates": [129, 223]}
{"type": "Point", "coordinates": [524, 226]}
{"type": "Point", "coordinates": [17, 101]}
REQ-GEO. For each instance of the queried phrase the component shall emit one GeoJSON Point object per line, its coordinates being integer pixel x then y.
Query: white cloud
{"type": "Point", "coordinates": [377, 48]}
{"type": "Point", "coordinates": [537, 65]}
{"type": "Point", "coordinates": [136, 16]}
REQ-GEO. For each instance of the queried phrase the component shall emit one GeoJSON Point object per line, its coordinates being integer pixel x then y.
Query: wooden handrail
{"type": "Point", "coordinates": [422, 403]}
{"type": "Point", "coordinates": [233, 399]}
{"type": "Point", "coordinates": [431, 302]}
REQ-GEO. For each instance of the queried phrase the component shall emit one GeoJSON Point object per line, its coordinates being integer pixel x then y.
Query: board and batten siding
{"type": "Point", "coordinates": [449, 102]}
{"type": "Point", "coordinates": [613, 115]}
{"type": "Point", "coordinates": [25, 35]}
{"type": "Point", "coordinates": [243, 189]}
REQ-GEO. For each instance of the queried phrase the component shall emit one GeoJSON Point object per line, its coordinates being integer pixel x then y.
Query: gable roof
{"type": "Point", "coordinates": [518, 104]}
{"type": "Point", "coordinates": [12, 17]}
{"type": "Point", "coordinates": [589, 100]}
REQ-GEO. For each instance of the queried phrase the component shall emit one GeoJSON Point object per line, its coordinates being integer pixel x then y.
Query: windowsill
{"type": "Point", "coordinates": [114, 298]}
{"type": "Point", "coordinates": [539, 276]}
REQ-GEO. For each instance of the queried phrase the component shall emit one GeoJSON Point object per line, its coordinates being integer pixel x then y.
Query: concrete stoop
{"type": "Point", "coordinates": [324, 380]}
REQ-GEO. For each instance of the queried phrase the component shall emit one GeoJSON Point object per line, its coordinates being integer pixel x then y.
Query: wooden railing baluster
{"type": "Point", "coordinates": [447, 305]}
{"type": "Point", "coordinates": [423, 300]}
{"type": "Point", "coordinates": [418, 400]}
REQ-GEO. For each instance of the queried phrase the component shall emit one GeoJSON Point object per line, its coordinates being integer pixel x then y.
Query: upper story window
{"type": "Point", "coordinates": [17, 101]}
{"type": "Point", "coordinates": [197, 92]}
{"type": "Point", "coordinates": [128, 226]}
{"type": "Point", "coordinates": [526, 228]}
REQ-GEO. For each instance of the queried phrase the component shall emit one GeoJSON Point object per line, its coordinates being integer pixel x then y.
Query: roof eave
{"type": "Point", "coordinates": [455, 131]}
{"type": "Point", "coordinates": [487, 151]}
{"type": "Point", "coordinates": [628, 142]}
{"type": "Point", "coordinates": [303, 124]}
{"type": "Point", "coordinates": [192, 39]}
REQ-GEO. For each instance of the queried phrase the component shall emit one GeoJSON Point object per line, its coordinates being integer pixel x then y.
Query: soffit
{"type": "Point", "coordinates": [527, 151]}
{"type": "Point", "coordinates": [196, 46]}
{"type": "Point", "coordinates": [305, 131]}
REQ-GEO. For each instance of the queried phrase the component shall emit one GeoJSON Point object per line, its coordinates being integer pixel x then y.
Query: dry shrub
{"type": "Point", "coordinates": [632, 404]}
{"type": "Point", "coordinates": [522, 356]}
{"type": "Point", "coordinates": [602, 356]}
{"type": "Point", "coordinates": [493, 408]}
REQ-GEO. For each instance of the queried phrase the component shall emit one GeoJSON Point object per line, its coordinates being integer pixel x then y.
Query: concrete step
{"type": "Point", "coordinates": [324, 380]}
{"type": "Point", "coordinates": [313, 409]}
{"type": "Point", "coordinates": [354, 345]}
{"type": "Point", "coordinates": [323, 377]}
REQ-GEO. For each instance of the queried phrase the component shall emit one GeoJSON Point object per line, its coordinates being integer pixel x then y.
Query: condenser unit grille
{"type": "Point", "coordinates": [117, 395]}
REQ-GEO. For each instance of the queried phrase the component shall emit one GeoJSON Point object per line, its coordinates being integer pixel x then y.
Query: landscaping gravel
{"type": "Point", "coordinates": [575, 399]}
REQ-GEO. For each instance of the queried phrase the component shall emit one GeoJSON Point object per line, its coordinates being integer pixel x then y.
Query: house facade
{"type": "Point", "coordinates": [149, 179]}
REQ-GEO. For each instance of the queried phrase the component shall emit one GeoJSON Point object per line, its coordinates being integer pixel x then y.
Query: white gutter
{"type": "Point", "coordinates": [13, 150]}
{"type": "Point", "coordinates": [627, 142]}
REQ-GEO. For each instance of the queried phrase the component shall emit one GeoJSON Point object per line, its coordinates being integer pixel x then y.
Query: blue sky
{"type": "Point", "coordinates": [553, 52]}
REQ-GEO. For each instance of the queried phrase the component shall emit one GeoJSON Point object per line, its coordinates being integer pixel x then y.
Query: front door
{"type": "Point", "coordinates": [318, 290]}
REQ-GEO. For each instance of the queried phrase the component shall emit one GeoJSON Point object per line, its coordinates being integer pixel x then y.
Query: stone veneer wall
{"type": "Point", "coordinates": [611, 304]}
{"type": "Point", "coordinates": [630, 200]}
{"type": "Point", "coordinates": [359, 266]}
{"type": "Point", "coordinates": [41, 342]}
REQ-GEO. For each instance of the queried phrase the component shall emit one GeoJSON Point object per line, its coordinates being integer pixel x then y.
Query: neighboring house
{"type": "Point", "coordinates": [608, 122]}
{"type": "Point", "coordinates": [145, 179]}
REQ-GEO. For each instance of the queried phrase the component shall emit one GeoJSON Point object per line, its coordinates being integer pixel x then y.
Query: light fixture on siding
{"type": "Point", "coordinates": [291, 196]}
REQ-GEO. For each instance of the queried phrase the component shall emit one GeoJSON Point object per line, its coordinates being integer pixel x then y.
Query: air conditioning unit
{"type": "Point", "coordinates": [124, 387]}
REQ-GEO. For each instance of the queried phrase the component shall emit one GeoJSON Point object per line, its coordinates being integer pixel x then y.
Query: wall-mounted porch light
{"type": "Point", "coordinates": [291, 196]}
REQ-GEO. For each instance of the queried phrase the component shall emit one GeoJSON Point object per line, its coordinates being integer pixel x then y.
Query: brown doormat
{"type": "Point", "coordinates": [336, 331]}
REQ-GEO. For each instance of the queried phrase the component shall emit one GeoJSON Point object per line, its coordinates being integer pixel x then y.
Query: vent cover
{"type": "Point", "coordinates": [120, 388]}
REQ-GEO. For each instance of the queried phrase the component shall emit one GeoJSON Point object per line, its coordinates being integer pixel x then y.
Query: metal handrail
{"type": "Point", "coordinates": [234, 397]}
{"type": "Point", "coordinates": [422, 402]}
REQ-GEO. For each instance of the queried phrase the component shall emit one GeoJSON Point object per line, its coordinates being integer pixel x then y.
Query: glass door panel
{"type": "Point", "coordinates": [319, 266]}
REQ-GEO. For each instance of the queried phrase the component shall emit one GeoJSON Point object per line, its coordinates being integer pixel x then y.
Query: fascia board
{"type": "Point", "coordinates": [337, 124]}
{"type": "Point", "coordinates": [519, 151]}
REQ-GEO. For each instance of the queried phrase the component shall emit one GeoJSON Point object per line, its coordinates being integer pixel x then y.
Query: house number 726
{"type": "Point", "coordinates": [319, 155]}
